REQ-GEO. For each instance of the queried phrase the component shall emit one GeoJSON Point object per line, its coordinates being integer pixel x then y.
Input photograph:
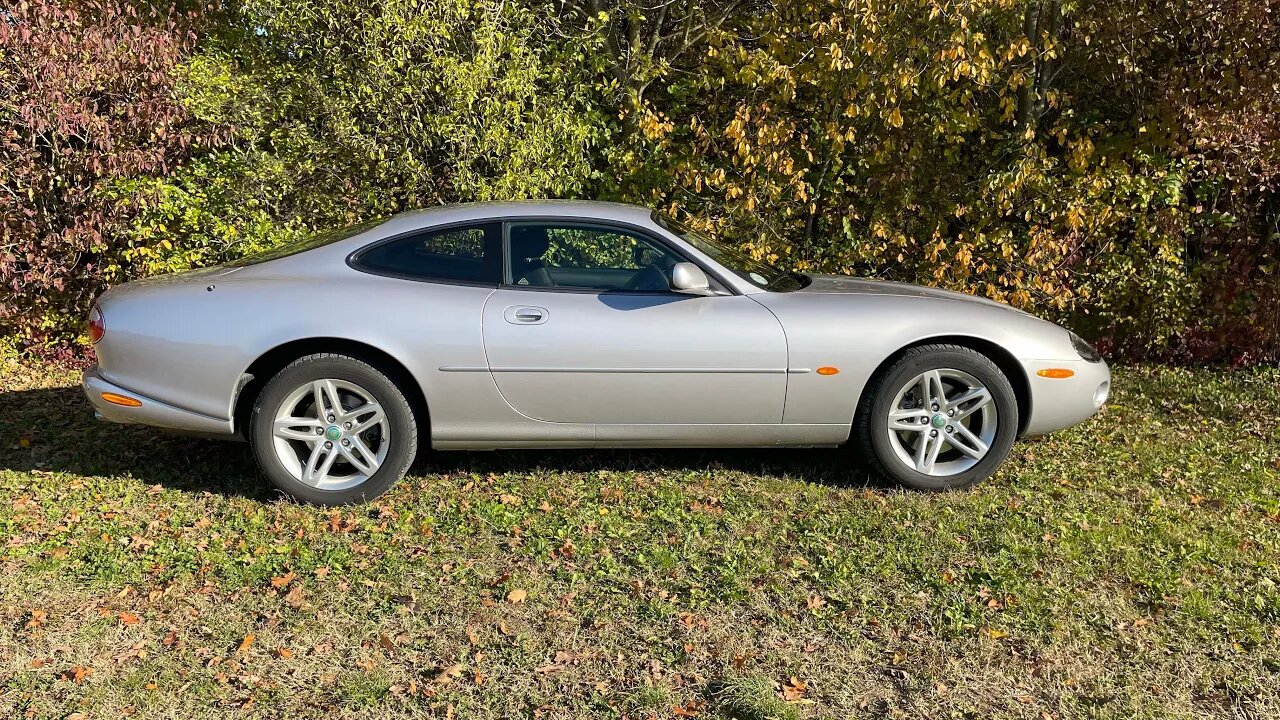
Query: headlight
{"type": "Point", "coordinates": [1085, 349]}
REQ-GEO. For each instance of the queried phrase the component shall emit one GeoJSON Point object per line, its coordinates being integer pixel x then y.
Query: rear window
{"type": "Point", "coordinates": [310, 242]}
{"type": "Point", "coordinates": [459, 254]}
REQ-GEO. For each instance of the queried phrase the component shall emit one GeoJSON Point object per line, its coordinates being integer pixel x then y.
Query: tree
{"type": "Point", "coordinates": [86, 97]}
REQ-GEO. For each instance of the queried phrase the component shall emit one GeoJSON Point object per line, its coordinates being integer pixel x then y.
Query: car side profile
{"type": "Point", "coordinates": [571, 325]}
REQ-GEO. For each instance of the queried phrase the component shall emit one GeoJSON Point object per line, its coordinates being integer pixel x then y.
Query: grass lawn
{"type": "Point", "coordinates": [1126, 568]}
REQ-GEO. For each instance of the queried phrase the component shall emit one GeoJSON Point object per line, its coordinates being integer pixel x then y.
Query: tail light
{"type": "Point", "coordinates": [97, 327]}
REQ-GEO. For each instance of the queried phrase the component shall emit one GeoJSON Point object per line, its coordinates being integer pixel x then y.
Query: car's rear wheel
{"type": "Point", "coordinates": [940, 417]}
{"type": "Point", "coordinates": [331, 430]}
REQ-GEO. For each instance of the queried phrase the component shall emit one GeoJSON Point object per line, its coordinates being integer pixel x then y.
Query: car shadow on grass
{"type": "Point", "coordinates": [54, 430]}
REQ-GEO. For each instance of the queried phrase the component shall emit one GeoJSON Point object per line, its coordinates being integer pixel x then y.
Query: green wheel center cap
{"type": "Point", "coordinates": [333, 433]}
{"type": "Point", "coordinates": [939, 421]}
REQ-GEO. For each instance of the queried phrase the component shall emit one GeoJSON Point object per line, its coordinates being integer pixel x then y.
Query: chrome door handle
{"type": "Point", "coordinates": [525, 315]}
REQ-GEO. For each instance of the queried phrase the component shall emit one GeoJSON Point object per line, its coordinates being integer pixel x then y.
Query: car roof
{"type": "Point", "coordinates": [587, 209]}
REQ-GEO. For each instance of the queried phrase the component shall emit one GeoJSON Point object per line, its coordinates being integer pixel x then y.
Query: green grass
{"type": "Point", "coordinates": [1126, 568]}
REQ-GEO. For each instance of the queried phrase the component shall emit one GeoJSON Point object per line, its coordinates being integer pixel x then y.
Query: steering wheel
{"type": "Point", "coordinates": [649, 279]}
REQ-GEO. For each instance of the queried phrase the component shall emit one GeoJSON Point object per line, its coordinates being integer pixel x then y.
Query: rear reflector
{"type": "Point", "coordinates": [124, 400]}
{"type": "Point", "coordinates": [1056, 373]}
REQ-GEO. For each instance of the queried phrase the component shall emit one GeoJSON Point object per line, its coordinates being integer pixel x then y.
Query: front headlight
{"type": "Point", "coordinates": [1084, 349]}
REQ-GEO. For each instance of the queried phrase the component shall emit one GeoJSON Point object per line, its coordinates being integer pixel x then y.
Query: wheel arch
{"type": "Point", "coordinates": [266, 366]}
{"type": "Point", "coordinates": [994, 352]}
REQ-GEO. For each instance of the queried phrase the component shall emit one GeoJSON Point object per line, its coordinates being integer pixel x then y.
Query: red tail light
{"type": "Point", "coordinates": [97, 328]}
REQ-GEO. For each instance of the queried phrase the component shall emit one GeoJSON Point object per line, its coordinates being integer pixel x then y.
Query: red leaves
{"type": "Point", "coordinates": [83, 97]}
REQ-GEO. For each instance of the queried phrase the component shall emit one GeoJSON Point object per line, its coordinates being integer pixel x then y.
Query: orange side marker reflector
{"type": "Point", "coordinates": [1056, 373]}
{"type": "Point", "coordinates": [124, 400]}
{"type": "Point", "coordinates": [828, 370]}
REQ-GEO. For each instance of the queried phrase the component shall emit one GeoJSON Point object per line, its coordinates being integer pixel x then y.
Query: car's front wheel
{"type": "Point", "coordinates": [940, 417]}
{"type": "Point", "coordinates": [332, 430]}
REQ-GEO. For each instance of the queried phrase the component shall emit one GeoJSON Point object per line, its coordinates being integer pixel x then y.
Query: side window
{"type": "Point", "coordinates": [586, 257]}
{"type": "Point", "coordinates": [460, 254]}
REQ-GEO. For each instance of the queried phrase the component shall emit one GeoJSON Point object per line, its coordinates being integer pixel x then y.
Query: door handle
{"type": "Point", "coordinates": [525, 315]}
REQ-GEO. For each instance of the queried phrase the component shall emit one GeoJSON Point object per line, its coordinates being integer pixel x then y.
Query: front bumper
{"type": "Point", "coordinates": [150, 412]}
{"type": "Point", "coordinates": [1058, 403]}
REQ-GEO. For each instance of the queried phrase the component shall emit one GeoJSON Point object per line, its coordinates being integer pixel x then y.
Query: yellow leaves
{"type": "Point", "coordinates": [895, 118]}
{"type": "Point", "coordinates": [245, 644]}
{"type": "Point", "coordinates": [517, 596]}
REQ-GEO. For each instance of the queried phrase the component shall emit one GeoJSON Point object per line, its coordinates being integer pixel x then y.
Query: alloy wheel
{"type": "Point", "coordinates": [331, 434]}
{"type": "Point", "coordinates": [942, 422]}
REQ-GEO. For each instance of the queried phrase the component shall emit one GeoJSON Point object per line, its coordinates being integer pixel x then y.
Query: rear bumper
{"type": "Point", "coordinates": [1058, 403]}
{"type": "Point", "coordinates": [150, 412]}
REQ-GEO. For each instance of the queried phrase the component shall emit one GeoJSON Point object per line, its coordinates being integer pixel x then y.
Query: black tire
{"type": "Point", "coordinates": [402, 446]}
{"type": "Point", "coordinates": [871, 423]}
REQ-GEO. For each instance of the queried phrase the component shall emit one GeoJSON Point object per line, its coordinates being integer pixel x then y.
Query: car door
{"type": "Point", "coordinates": [586, 329]}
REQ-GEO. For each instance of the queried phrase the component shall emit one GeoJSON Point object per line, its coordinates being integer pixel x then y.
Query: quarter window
{"type": "Point", "coordinates": [585, 257]}
{"type": "Point", "coordinates": [459, 254]}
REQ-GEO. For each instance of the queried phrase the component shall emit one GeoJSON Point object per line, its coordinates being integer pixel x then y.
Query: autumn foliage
{"type": "Point", "coordinates": [1111, 166]}
{"type": "Point", "coordinates": [86, 98]}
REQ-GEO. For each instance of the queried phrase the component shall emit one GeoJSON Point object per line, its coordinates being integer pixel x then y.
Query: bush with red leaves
{"type": "Point", "coordinates": [86, 97]}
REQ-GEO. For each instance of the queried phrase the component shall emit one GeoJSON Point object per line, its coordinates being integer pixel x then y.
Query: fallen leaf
{"type": "Point", "coordinates": [517, 596]}
{"type": "Point", "coordinates": [284, 653]}
{"type": "Point", "coordinates": [293, 598]}
{"type": "Point", "coordinates": [446, 675]}
{"type": "Point", "coordinates": [692, 709]}
{"type": "Point", "coordinates": [386, 642]}
{"type": "Point", "coordinates": [77, 674]}
{"type": "Point", "coordinates": [794, 689]}
{"type": "Point", "coordinates": [38, 618]}
{"type": "Point", "coordinates": [245, 644]}
{"type": "Point", "coordinates": [279, 582]}
{"type": "Point", "coordinates": [128, 618]}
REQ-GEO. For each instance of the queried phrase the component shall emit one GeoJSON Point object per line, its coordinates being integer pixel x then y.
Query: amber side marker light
{"type": "Point", "coordinates": [124, 400]}
{"type": "Point", "coordinates": [828, 370]}
{"type": "Point", "coordinates": [1056, 373]}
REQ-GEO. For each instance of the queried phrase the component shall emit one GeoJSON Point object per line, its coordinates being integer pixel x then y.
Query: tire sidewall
{"type": "Point", "coordinates": [402, 445]}
{"type": "Point", "coordinates": [958, 359]}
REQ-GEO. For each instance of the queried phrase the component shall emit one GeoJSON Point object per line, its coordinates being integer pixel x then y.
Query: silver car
{"type": "Point", "coordinates": [572, 325]}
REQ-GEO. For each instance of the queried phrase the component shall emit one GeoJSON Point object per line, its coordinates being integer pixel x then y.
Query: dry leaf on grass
{"type": "Point", "coordinates": [794, 689]}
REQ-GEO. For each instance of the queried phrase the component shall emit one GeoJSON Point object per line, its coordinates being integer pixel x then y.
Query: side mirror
{"type": "Point", "coordinates": [689, 279]}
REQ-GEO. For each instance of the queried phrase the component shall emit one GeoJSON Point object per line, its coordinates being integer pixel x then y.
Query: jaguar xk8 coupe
{"type": "Point", "coordinates": [572, 325]}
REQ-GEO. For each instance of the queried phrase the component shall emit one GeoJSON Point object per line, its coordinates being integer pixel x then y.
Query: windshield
{"type": "Point", "coordinates": [757, 272]}
{"type": "Point", "coordinates": [310, 242]}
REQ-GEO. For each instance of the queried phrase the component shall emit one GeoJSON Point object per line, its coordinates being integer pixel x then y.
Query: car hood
{"type": "Point", "coordinates": [847, 285]}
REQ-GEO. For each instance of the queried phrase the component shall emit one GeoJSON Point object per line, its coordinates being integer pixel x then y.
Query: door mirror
{"type": "Point", "coordinates": [689, 279]}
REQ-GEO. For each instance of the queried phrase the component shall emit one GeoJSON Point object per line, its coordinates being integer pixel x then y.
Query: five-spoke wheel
{"type": "Point", "coordinates": [332, 429]}
{"type": "Point", "coordinates": [942, 422]}
{"type": "Point", "coordinates": [941, 416]}
{"type": "Point", "coordinates": [331, 434]}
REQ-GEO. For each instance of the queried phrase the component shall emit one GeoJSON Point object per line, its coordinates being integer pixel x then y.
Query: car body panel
{"type": "Point", "coordinates": [604, 369]}
{"type": "Point", "coordinates": [636, 358]}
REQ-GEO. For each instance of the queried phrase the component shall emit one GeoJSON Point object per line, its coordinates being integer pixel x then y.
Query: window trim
{"type": "Point", "coordinates": [353, 258]}
{"type": "Point", "coordinates": [599, 224]}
